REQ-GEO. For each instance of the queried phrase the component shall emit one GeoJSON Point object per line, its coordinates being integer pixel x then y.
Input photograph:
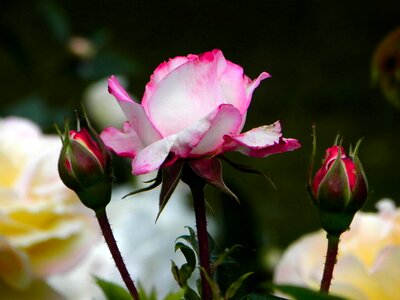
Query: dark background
{"type": "Point", "coordinates": [318, 53]}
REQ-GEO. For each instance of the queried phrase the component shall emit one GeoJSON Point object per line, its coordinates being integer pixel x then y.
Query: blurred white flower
{"type": "Point", "coordinates": [147, 247]}
{"type": "Point", "coordinates": [44, 229]}
{"type": "Point", "coordinates": [368, 264]}
{"type": "Point", "coordinates": [101, 107]}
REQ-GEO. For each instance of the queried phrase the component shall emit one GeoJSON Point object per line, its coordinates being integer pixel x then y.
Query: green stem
{"type": "Point", "coordinates": [101, 216]}
{"type": "Point", "coordinates": [330, 261]}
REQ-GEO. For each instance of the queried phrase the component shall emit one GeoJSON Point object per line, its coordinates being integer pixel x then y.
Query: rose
{"type": "Point", "coordinates": [43, 227]}
{"type": "Point", "coordinates": [85, 166]}
{"type": "Point", "coordinates": [340, 181]}
{"type": "Point", "coordinates": [339, 189]}
{"type": "Point", "coordinates": [193, 107]}
{"type": "Point", "coordinates": [368, 265]}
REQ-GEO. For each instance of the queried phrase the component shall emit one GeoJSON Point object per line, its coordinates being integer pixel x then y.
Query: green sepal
{"type": "Point", "coordinates": [156, 182]}
{"type": "Point", "coordinates": [335, 222]}
{"type": "Point", "coordinates": [210, 170]}
{"type": "Point", "coordinates": [247, 169]}
{"type": "Point", "coordinates": [360, 193]}
{"type": "Point", "coordinates": [170, 178]}
{"type": "Point", "coordinates": [334, 191]}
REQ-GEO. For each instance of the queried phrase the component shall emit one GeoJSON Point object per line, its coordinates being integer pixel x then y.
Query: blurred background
{"type": "Point", "coordinates": [319, 54]}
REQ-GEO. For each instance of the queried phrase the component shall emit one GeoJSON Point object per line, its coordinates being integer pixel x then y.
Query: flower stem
{"type": "Point", "coordinates": [202, 236]}
{"type": "Point", "coordinates": [330, 261]}
{"type": "Point", "coordinates": [101, 216]}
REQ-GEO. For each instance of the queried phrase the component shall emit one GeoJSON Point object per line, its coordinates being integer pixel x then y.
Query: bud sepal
{"type": "Point", "coordinates": [84, 165]}
{"type": "Point", "coordinates": [339, 189]}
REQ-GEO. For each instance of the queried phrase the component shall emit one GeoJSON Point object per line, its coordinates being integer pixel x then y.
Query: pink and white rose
{"type": "Point", "coordinates": [193, 107]}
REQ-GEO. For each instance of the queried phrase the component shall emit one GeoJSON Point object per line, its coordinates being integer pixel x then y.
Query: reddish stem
{"type": "Point", "coordinates": [101, 216]}
{"type": "Point", "coordinates": [330, 261]}
{"type": "Point", "coordinates": [202, 237]}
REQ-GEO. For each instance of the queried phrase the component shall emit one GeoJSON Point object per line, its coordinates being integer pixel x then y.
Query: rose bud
{"type": "Point", "coordinates": [85, 166]}
{"type": "Point", "coordinates": [339, 189]}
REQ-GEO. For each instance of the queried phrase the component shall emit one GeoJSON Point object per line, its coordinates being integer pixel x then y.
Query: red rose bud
{"type": "Point", "coordinates": [339, 189]}
{"type": "Point", "coordinates": [85, 166]}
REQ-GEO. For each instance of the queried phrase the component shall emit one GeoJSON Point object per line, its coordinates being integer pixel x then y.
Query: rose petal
{"type": "Point", "coordinates": [182, 143]}
{"type": "Point", "coordinates": [387, 265]}
{"type": "Point", "coordinates": [15, 267]}
{"type": "Point", "coordinates": [134, 112]}
{"type": "Point", "coordinates": [124, 142]}
{"type": "Point", "coordinates": [227, 122]}
{"type": "Point", "coordinates": [191, 91]}
{"type": "Point", "coordinates": [159, 74]}
{"type": "Point", "coordinates": [254, 84]}
{"type": "Point", "coordinates": [233, 85]}
{"type": "Point", "coordinates": [261, 141]}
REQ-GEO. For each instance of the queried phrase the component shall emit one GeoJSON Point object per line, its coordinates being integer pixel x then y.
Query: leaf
{"type": "Point", "coordinates": [170, 178]}
{"type": "Point", "coordinates": [223, 256]}
{"type": "Point", "coordinates": [236, 285]}
{"type": "Point", "coordinates": [146, 296]}
{"type": "Point", "coordinates": [191, 239]}
{"type": "Point", "coordinates": [112, 291]}
{"type": "Point", "coordinates": [248, 169]}
{"type": "Point", "coordinates": [190, 294]}
{"type": "Point", "coordinates": [156, 182]}
{"type": "Point", "coordinates": [261, 297]}
{"type": "Point", "coordinates": [175, 273]}
{"type": "Point", "coordinates": [188, 253]}
{"type": "Point", "coordinates": [210, 170]}
{"type": "Point", "coordinates": [216, 293]}
{"type": "Point", "coordinates": [175, 296]}
{"type": "Point", "coordinates": [301, 293]}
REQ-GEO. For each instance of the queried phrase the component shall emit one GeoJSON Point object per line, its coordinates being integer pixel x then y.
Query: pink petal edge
{"type": "Point", "coordinates": [134, 112]}
{"type": "Point", "coordinates": [261, 141]}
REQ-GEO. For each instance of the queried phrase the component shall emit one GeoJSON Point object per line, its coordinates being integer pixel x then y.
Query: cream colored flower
{"type": "Point", "coordinates": [44, 229]}
{"type": "Point", "coordinates": [368, 265]}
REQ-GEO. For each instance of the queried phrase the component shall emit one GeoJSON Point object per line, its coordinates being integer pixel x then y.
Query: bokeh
{"type": "Point", "coordinates": [319, 54]}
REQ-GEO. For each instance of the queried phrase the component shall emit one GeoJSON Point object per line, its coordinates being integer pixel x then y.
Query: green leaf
{"type": "Point", "coordinates": [112, 291]}
{"type": "Point", "coordinates": [301, 293]}
{"type": "Point", "coordinates": [216, 293]}
{"type": "Point", "coordinates": [175, 296]}
{"type": "Point", "coordinates": [191, 239]}
{"type": "Point", "coordinates": [190, 294]}
{"type": "Point", "coordinates": [223, 257]}
{"type": "Point", "coordinates": [144, 295]}
{"type": "Point", "coordinates": [188, 253]}
{"type": "Point", "coordinates": [175, 273]}
{"type": "Point", "coordinates": [236, 285]}
{"type": "Point", "coordinates": [170, 178]}
{"type": "Point", "coordinates": [261, 297]}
